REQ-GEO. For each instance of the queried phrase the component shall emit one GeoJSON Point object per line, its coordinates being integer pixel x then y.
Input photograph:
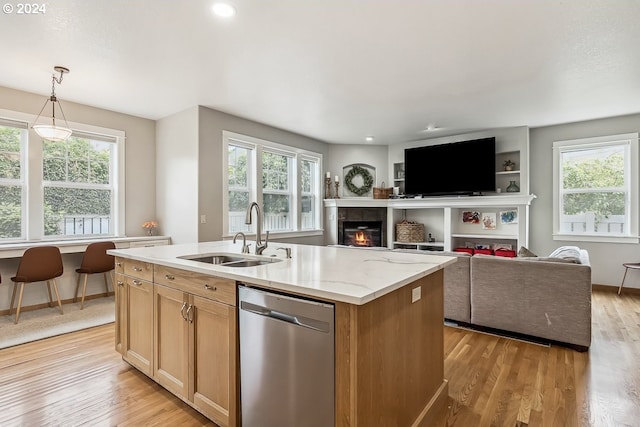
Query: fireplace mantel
{"type": "Point", "coordinates": [433, 202]}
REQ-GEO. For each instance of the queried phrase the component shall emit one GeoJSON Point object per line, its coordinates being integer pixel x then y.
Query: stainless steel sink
{"type": "Point", "coordinates": [216, 259]}
{"type": "Point", "coordinates": [231, 260]}
{"type": "Point", "coordinates": [248, 263]}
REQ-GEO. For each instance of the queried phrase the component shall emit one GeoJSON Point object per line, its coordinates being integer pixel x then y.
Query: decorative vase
{"type": "Point", "coordinates": [508, 168]}
{"type": "Point", "coordinates": [150, 230]}
{"type": "Point", "coordinates": [513, 187]}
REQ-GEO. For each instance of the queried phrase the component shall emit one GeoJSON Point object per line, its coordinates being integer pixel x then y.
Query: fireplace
{"type": "Point", "coordinates": [364, 227]}
{"type": "Point", "coordinates": [363, 233]}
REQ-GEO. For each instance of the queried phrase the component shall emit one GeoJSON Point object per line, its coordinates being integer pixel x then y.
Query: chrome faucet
{"type": "Point", "coordinates": [260, 247]}
{"type": "Point", "coordinates": [245, 247]}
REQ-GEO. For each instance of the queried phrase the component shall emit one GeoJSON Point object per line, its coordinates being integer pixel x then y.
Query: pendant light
{"type": "Point", "coordinates": [54, 132]}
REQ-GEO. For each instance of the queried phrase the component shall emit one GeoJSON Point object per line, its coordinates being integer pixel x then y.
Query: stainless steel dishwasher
{"type": "Point", "coordinates": [287, 360]}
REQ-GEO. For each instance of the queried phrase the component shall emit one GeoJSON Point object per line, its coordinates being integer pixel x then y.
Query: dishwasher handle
{"type": "Point", "coordinates": [302, 321]}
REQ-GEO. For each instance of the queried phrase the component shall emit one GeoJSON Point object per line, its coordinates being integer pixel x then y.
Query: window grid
{"type": "Point", "coordinates": [13, 140]}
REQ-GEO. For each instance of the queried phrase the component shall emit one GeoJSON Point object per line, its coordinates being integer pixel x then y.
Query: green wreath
{"type": "Point", "coordinates": [366, 177]}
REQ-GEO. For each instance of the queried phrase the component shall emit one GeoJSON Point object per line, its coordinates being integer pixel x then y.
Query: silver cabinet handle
{"type": "Point", "coordinates": [184, 305]}
{"type": "Point", "coordinates": [120, 283]}
{"type": "Point", "coordinates": [189, 313]}
{"type": "Point", "coordinates": [137, 282]}
{"type": "Point", "coordinates": [210, 288]}
{"type": "Point", "coordinates": [136, 269]}
{"type": "Point", "coordinates": [119, 264]}
{"type": "Point", "coordinates": [169, 277]}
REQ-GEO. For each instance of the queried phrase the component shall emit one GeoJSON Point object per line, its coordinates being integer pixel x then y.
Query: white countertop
{"type": "Point", "coordinates": [351, 275]}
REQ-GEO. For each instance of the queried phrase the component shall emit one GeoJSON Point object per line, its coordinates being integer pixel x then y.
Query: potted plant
{"type": "Point", "coordinates": [508, 165]}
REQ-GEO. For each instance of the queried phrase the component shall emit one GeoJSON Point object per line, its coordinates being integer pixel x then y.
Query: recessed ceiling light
{"type": "Point", "coordinates": [369, 139]}
{"type": "Point", "coordinates": [224, 10]}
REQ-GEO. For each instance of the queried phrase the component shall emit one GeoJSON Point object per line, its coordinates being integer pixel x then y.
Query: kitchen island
{"type": "Point", "coordinates": [389, 353]}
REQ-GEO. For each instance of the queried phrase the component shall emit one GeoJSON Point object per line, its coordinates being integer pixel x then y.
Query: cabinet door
{"type": "Point", "coordinates": [171, 340]}
{"type": "Point", "coordinates": [138, 344]}
{"type": "Point", "coordinates": [213, 353]}
{"type": "Point", "coordinates": [121, 319]}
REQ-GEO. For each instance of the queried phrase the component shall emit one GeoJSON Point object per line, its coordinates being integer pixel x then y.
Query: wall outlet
{"type": "Point", "coordinates": [203, 219]}
{"type": "Point", "coordinates": [416, 294]}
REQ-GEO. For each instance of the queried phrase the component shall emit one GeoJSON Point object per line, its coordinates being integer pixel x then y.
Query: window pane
{"type": "Point", "coordinates": [10, 152]}
{"type": "Point", "coordinates": [276, 212]}
{"type": "Point", "coordinates": [10, 211]}
{"type": "Point", "coordinates": [237, 168]}
{"type": "Point", "coordinates": [594, 212]}
{"type": "Point", "coordinates": [594, 168]}
{"type": "Point", "coordinates": [275, 171]}
{"type": "Point", "coordinates": [306, 175]}
{"type": "Point", "coordinates": [76, 211]}
{"type": "Point", "coordinates": [238, 202]}
{"type": "Point", "coordinates": [78, 160]}
{"type": "Point", "coordinates": [307, 214]}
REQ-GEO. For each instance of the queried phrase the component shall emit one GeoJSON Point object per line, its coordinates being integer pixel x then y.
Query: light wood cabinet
{"type": "Point", "coordinates": [171, 333]}
{"type": "Point", "coordinates": [138, 336]}
{"type": "Point", "coordinates": [134, 313]}
{"type": "Point", "coordinates": [195, 345]}
{"type": "Point", "coordinates": [120, 325]}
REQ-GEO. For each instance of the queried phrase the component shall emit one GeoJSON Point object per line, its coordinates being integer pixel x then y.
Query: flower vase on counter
{"type": "Point", "coordinates": [513, 187]}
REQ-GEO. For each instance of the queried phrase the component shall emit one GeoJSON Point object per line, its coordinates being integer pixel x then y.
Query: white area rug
{"type": "Point", "coordinates": [48, 322]}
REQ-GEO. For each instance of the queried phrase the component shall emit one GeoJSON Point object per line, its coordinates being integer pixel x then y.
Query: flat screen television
{"type": "Point", "coordinates": [458, 168]}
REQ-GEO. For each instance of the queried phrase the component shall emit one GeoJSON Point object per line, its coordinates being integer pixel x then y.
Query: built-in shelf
{"type": "Point", "coordinates": [485, 236]}
{"type": "Point", "coordinates": [435, 246]}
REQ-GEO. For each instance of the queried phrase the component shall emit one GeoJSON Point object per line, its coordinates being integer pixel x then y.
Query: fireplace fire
{"type": "Point", "coordinates": [363, 233]}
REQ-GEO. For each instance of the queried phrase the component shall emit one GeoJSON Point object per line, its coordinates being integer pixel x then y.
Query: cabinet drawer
{"type": "Point", "coordinates": [215, 288]}
{"type": "Point", "coordinates": [119, 265]}
{"type": "Point", "coordinates": [138, 269]}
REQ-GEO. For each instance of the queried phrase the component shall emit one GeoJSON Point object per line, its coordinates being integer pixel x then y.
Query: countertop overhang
{"type": "Point", "coordinates": [350, 275]}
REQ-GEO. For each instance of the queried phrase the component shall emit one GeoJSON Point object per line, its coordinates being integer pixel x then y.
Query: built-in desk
{"type": "Point", "coordinates": [35, 296]}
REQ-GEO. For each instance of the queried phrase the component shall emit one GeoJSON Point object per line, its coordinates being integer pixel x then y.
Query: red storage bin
{"type": "Point", "coordinates": [467, 250]}
{"type": "Point", "coordinates": [506, 253]}
{"type": "Point", "coordinates": [483, 251]}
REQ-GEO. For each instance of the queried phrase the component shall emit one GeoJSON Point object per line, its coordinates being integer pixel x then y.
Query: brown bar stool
{"type": "Point", "coordinates": [627, 266]}
{"type": "Point", "coordinates": [39, 264]}
{"type": "Point", "coordinates": [95, 260]}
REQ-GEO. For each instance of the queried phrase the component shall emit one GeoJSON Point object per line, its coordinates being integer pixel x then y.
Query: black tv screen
{"type": "Point", "coordinates": [466, 167]}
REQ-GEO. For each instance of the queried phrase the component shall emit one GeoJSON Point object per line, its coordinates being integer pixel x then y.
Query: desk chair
{"type": "Point", "coordinates": [38, 264]}
{"type": "Point", "coordinates": [95, 260]}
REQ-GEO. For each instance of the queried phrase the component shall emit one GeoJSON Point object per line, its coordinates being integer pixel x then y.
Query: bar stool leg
{"type": "Point", "coordinates": [13, 298]}
{"type": "Point", "coordinates": [84, 290]}
{"type": "Point", "coordinates": [55, 288]}
{"type": "Point", "coordinates": [623, 277]}
{"type": "Point", "coordinates": [19, 302]}
{"type": "Point", "coordinates": [75, 296]}
{"type": "Point", "coordinates": [50, 297]}
{"type": "Point", "coordinates": [106, 283]}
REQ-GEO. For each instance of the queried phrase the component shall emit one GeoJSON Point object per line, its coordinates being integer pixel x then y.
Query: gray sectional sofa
{"type": "Point", "coordinates": [547, 298]}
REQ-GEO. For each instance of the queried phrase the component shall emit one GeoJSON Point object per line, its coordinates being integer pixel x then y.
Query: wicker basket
{"type": "Point", "coordinates": [382, 193]}
{"type": "Point", "coordinates": [410, 233]}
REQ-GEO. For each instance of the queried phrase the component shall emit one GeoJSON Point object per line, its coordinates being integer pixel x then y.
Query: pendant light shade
{"type": "Point", "coordinates": [53, 132]}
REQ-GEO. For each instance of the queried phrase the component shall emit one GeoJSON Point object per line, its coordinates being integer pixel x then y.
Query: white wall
{"type": "Point", "coordinates": [177, 176]}
{"type": "Point", "coordinates": [140, 187]}
{"type": "Point", "coordinates": [606, 258]}
{"type": "Point", "coordinates": [341, 155]}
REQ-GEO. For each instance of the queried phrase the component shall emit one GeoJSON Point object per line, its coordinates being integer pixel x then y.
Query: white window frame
{"type": "Point", "coordinates": [629, 140]}
{"type": "Point", "coordinates": [34, 218]}
{"type": "Point", "coordinates": [257, 145]}
{"type": "Point", "coordinates": [292, 185]}
{"type": "Point", "coordinates": [24, 170]}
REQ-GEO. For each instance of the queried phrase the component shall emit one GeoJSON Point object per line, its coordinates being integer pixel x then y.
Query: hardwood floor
{"type": "Point", "coordinates": [78, 379]}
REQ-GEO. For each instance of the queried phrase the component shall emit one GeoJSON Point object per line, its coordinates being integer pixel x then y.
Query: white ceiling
{"type": "Point", "coordinates": [338, 70]}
